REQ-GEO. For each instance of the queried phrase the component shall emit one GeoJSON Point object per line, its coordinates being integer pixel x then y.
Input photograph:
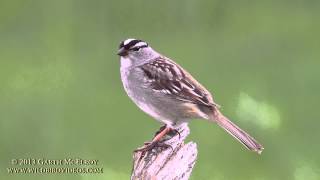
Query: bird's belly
{"type": "Point", "coordinates": [156, 104]}
{"type": "Point", "coordinates": [139, 94]}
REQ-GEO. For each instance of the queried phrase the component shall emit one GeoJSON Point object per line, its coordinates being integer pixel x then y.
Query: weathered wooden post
{"type": "Point", "coordinates": [160, 163]}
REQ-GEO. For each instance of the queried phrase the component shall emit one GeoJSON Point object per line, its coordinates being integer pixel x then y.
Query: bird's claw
{"type": "Point", "coordinates": [150, 145]}
{"type": "Point", "coordinates": [174, 131]}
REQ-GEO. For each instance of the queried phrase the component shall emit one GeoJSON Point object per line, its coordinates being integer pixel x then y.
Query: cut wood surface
{"type": "Point", "coordinates": [159, 163]}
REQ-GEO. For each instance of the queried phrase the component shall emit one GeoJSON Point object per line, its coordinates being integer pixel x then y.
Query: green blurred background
{"type": "Point", "coordinates": [61, 94]}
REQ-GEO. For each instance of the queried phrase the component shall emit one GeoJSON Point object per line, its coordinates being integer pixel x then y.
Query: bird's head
{"type": "Point", "coordinates": [136, 50]}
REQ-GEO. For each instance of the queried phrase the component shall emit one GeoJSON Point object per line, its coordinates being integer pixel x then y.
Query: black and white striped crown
{"type": "Point", "coordinates": [132, 43]}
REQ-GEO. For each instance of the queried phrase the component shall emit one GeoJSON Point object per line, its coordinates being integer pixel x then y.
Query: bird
{"type": "Point", "coordinates": [169, 94]}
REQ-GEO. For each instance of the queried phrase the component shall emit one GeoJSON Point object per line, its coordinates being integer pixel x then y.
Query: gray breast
{"type": "Point", "coordinates": [156, 104]}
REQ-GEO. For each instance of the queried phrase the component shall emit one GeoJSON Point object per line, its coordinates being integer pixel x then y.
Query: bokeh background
{"type": "Point", "coordinates": [61, 94]}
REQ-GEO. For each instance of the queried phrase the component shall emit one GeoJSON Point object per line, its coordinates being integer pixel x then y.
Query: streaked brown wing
{"type": "Point", "coordinates": [169, 78]}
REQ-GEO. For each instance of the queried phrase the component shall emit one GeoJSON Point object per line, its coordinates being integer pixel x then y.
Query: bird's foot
{"type": "Point", "coordinates": [171, 132]}
{"type": "Point", "coordinates": [160, 130]}
{"type": "Point", "coordinates": [174, 132]}
{"type": "Point", "coordinates": [153, 144]}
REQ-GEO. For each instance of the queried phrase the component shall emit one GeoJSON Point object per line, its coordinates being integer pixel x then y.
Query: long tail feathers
{"type": "Point", "coordinates": [239, 134]}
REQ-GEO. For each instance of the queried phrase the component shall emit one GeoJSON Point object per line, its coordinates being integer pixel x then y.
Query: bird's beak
{"type": "Point", "coordinates": [122, 52]}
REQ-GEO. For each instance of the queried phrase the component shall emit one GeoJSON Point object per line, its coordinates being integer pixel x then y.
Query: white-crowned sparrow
{"type": "Point", "coordinates": [168, 93]}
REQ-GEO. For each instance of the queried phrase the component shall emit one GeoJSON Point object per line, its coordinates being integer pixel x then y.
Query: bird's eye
{"type": "Point", "coordinates": [135, 49]}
